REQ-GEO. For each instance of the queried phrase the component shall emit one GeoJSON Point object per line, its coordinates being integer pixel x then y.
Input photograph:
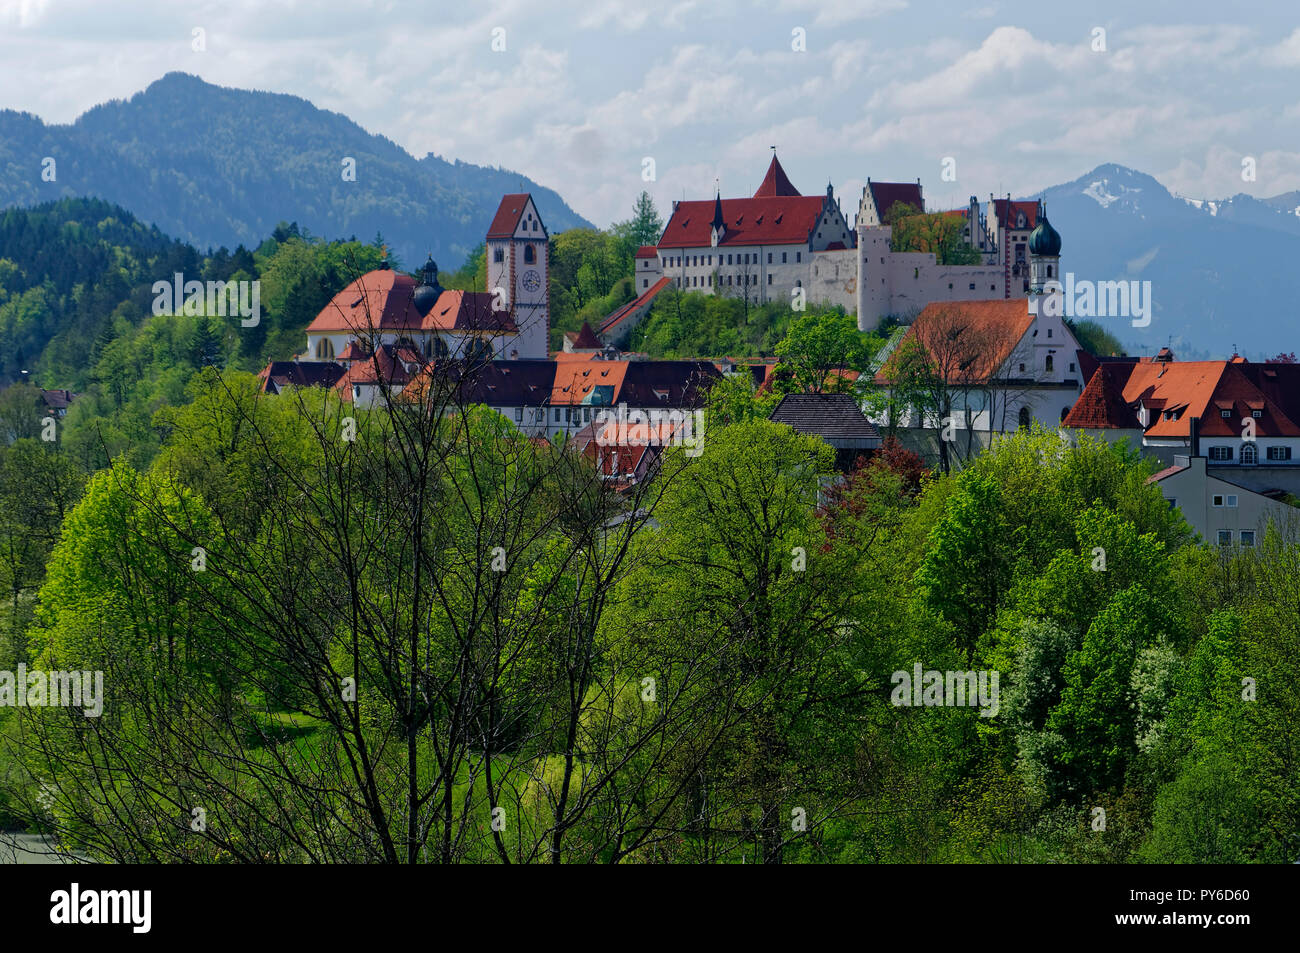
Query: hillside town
{"type": "Point", "coordinates": [1224, 432]}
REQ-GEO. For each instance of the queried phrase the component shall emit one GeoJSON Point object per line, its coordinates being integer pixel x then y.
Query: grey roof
{"type": "Point", "coordinates": [836, 418]}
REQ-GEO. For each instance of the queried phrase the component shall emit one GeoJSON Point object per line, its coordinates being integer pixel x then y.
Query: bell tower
{"type": "Point", "coordinates": [518, 271]}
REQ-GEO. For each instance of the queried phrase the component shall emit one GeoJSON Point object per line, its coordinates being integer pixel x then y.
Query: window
{"type": "Point", "coordinates": [1024, 418]}
{"type": "Point", "coordinates": [645, 282]}
{"type": "Point", "coordinates": [519, 415]}
{"type": "Point", "coordinates": [325, 349]}
{"type": "Point", "coordinates": [769, 277]}
{"type": "Point", "coordinates": [1022, 366]}
{"type": "Point", "coordinates": [1225, 413]}
{"type": "Point", "coordinates": [1217, 500]}
{"type": "Point", "coordinates": [1072, 366]}
{"type": "Point", "coordinates": [499, 255]}
{"type": "Point", "coordinates": [1225, 537]}
{"type": "Point", "coordinates": [1247, 537]}
{"type": "Point", "coordinates": [950, 286]}
{"type": "Point", "coordinates": [798, 256]}
{"type": "Point", "coordinates": [1257, 413]}
{"type": "Point", "coordinates": [1049, 332]}
{"type": "Point", "coordinates": [557, 415]}
{"type": "Point", "coordinates": [783, 254]}
{"type": "Point", "coordinates": [972, 286]}
{"type": "Point", "coordinates": [728, 259]}
{"type": "Point", "coordinates": [1221, 453]}
{"type": "Point", "coordinates": [530, 256]}
{"type": "Point", "coordinates": [1231, 499]}
{"type": "Point", "coordinates": [1279, 453]}
{"type": "Point", "coordinates": [1249, 454]}
{"type": "Point", "coordinates": [769, 258]}
{"type": "Point", "coordinates": [1049, 363]}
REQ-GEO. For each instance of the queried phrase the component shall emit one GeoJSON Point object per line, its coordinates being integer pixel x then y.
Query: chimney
{"type": "Point", "coordinates": [1193, 436]}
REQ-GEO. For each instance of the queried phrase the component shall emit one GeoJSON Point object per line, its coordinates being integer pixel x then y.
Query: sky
{"type": "Point", "coordinates": [971, 98]}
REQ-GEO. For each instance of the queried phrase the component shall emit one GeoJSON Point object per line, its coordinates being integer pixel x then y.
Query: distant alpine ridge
{"type": "Point", "coordinates": [215, 166]}
{"type": "Point", "coordinates": [1223, 273]}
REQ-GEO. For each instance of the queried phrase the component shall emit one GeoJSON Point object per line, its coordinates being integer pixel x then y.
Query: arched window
{"type": "Point", "coordinates": [1024, 417]}
{"type": "Point", "coordinates": [478, 351]}
{"type": "Point", "coordinates": [325, 349]}
{"type": "Point", "coordinates": [438, 349]}
{"type": "Point", "coordinates": [1249, 454]}
{"type": "Point", "coordinates": [530, 256]}
{"type": "Point", "coordinates": [1065, 412]}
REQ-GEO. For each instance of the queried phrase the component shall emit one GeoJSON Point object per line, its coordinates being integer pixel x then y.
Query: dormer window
{"type": "Point", "coordinates": [1257, 413]}
{"type": "Point", "coordinates": [1225, 413]}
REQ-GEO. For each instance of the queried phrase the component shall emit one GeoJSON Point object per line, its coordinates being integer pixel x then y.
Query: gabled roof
{"type": "Point", "coordinates": [635, 306]}
{"type": "Point", "coordinates": [506, 221]}
{"type": "Point", "coordinates": [647, 251]}
{"type": "Point", "coordinates": [769, 220]}
{"type": "Point", "coordinates": [587, 382]}
{"type": "Point", "coordinates": [586, 338]}
{"type": "Point", "coordinates": [1006, 211]}
{"type": "Point", "coordinates": [836, 418]}
{"type": "Point", "coordinates": [886, 194]}
{"type": "Point", "coordinates": [385, 367]}
{"type": "Point", "coordinates": [467, 311]}
{"type": "Point", "coordinates": [968, 341]}
{"type": "Point", "coordinates": [1101, 406]}
{"type": "Point", "coordinates": [279, 374]}
{"type": "Point", "coordinates": [57, 399]}
{"type": "Point", "coordinates": [1173, 392]}
{"type": "Point", "coordinates": [775, 182]}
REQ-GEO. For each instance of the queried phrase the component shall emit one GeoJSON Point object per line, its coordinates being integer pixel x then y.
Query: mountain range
{"type": "Point", "coordinates": [1219, 269]}
{"type": "Point", "coordinates": [214, 166]}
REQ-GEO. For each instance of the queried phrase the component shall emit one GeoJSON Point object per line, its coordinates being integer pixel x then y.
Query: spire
{"type": "Point", "coordinates": [718, 222]}
{"type": "Point", "coordinates": [775, 182]}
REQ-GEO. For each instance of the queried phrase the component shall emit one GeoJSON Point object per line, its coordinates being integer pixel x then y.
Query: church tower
{"type": "Point", "coordinates": [518, 273]}
{"type": "Point", "coordinates": [1044, 254]}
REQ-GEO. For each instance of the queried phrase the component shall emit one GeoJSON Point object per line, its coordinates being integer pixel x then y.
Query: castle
{"type": "Point", "coordinates": [781, 245]}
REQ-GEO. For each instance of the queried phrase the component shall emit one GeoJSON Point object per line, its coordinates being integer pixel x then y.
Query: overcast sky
{"type": "Point", "coordinates": [584, 91]}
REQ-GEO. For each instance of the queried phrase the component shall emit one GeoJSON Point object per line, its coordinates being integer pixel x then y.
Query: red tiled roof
{"type": "Point", "coordinates": [586, 338]}
{"type": "Point", "coordinates": [969, 340]}
{"type": "Point", "coordinates": [775, 183]}
{"type": "Point", "coordinates": [633, 307]}
{"type": "Point", "coordinates": [647, 251]}
{"type": "Point", "coordinates": [1006, 211]}
{"type": "Point", "coordinates": [353, 352]}
{"type": "Point", "coordinates": [886, 194]}
{"type": "Point", "coordinates": [774, 220]}
{"type": "Point", "coordinates": [1166, 472]}
{"type": "Point", "coordinates": [1182, 390]}
{"type": "Point", "coordinates": [1101, 406]}
{"type": "Point", "coordinates": [506, 220]}
{"type": "Point", "coordinates": [382, 300]}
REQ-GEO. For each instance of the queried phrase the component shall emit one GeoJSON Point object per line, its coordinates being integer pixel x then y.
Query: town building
{"type": "Point", "coordinates": [1001, 366]}
{"type": "Point", "coordinates": [835, 418]}
{"type": "Point", "coordinates": [780, 245]}
{"type": "Point", "coordinates": [510, 320]}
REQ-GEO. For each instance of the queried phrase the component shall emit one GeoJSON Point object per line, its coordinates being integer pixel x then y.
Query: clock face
{"type": "Point", "coordinates": [532, 280]}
